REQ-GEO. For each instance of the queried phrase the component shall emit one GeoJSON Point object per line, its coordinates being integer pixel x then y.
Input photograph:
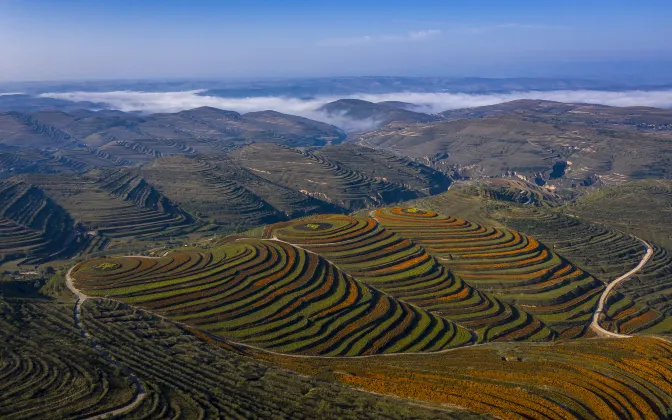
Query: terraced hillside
{"type": "Point", "coordinates": [398, 266]}
{"type": "Point", "coordinates": [321, 177]}
{"type": "Point", "coordinates": [83, 140]}
{"type": "Point", "coordinates": [637, 304]}
{"type": "Point", "coordinates": [272, 295]}
{"type": "Point", "coordinates": [202, 128]}
{"type": "Point", "coordinates": [625, 206]}
{"type": "Point", "coordinates": [593, 142]}
{"type": "Point", "coordinates": [221, 192]}
{"type": "Point", "coordinates": [580, 379]}
{"type": "Point", "coordinates": [17, 129]}
{"type": "Point", "coordinates": [386, 166]}
{"type": "Point", "coordinates": [517, 268]}
{"type": "Point", "coordinates": [114, 203]}
{"type": "Point", "coordinates": [583, 114]}
{"type": "Point", "coordinates": [15, 161]}
{"type": "Point", "coordinates": [34, 227]}
{"type": "Point", "coordinates": [50, 371]}
{"type": "Point", "coordinates": [198, 378]}
{"type": "Point", "coordinates": [521, 192]}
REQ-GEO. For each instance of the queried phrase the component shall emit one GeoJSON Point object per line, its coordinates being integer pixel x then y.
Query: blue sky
{"type": "Point", "coordinates": [101, 39]}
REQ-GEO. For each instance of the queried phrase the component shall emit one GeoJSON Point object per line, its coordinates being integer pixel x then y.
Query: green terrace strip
{"type": "Point", "coordinates": [271, 295]}
{"type": "Point", "coordinates": [516, 268]}
{"type": "Point", "coordinates": [400, 267]}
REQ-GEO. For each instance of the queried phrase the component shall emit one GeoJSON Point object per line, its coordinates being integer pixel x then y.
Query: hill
{"type": "Point", "coordinates": [221, 192]}
{"type": "Point", "coordinates": [395, 297]}
{"type": "Point", "coordinates": [643, 208]}
{"type": "Point", "coordinates": [566, 145]}
{"type": "Point", "coordinates": [329, 176]}
{"type": "Point", "coordinates": [46, 356]}
{"type": "Point", "coordinates": [34, 227]}
{"type": "Point", "coordinates": [597, 248]}
{"type": "Point", "coordinates": [571, 113]}
{"type": "Point", "coordinates": [272, 295]}
{"type": "Point", "coordinates": [358, 115]}
{"type": "Point", "coordinates": [133, 139]}
{"type": "Point", "coordinates": [253, 295]}
{"type": "Point", "coordinates": [116, 206]}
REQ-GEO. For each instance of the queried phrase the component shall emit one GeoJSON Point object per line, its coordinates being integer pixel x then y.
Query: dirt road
{"type": "Point", "coordinates": [595, 325]}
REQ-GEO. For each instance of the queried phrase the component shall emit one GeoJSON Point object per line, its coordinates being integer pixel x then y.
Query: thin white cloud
{"type": "Point", "coordinates": [374, 39]}
{"type": "Point", "coordinates": [429, 102]}
{"type": "Point", "coordinates": [10, 93]}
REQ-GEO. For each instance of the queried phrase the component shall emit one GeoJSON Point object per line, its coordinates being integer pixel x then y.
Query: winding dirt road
{"type": "Point", "coordinates": [595, 325]}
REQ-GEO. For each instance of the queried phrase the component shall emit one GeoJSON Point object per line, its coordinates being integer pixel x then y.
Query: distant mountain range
{"type": "Point", "coordinates": [334, 86]}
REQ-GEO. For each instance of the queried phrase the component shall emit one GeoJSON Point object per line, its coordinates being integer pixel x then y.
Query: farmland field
{"type": "Point", "coordinates": [597, 248]}
{"type": "Point", "coordinates": [586, 379]}
{"type": "Point", "coordinates": [271, 295]}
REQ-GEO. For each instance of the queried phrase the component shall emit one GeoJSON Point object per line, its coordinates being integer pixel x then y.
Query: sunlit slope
{"type": "Point", "coordinates": [396, 265]}
{"type": "Point", "coordinates": [271, 295]}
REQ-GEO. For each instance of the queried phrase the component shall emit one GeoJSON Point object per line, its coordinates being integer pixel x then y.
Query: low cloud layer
{"type": "Point", "coordinates": [151, 102]}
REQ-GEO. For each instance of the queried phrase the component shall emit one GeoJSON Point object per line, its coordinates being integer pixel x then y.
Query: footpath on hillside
{"type": "Point", "coordinates": [595, 324]}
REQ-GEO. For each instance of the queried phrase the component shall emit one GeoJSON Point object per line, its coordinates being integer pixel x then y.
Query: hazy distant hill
{"type": "Point", "coordinates": [344, 86]}
{"type": "Point", "coordinates": [128, 138]}
{"type": "Point", "coordinates": [309, 87]}
{"type": "Point", "coordinates": [574, 113]}
{"type": "Point", "coordinates": [31, 103]}
{"type": "Point", "coordinates": [372, 115]}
